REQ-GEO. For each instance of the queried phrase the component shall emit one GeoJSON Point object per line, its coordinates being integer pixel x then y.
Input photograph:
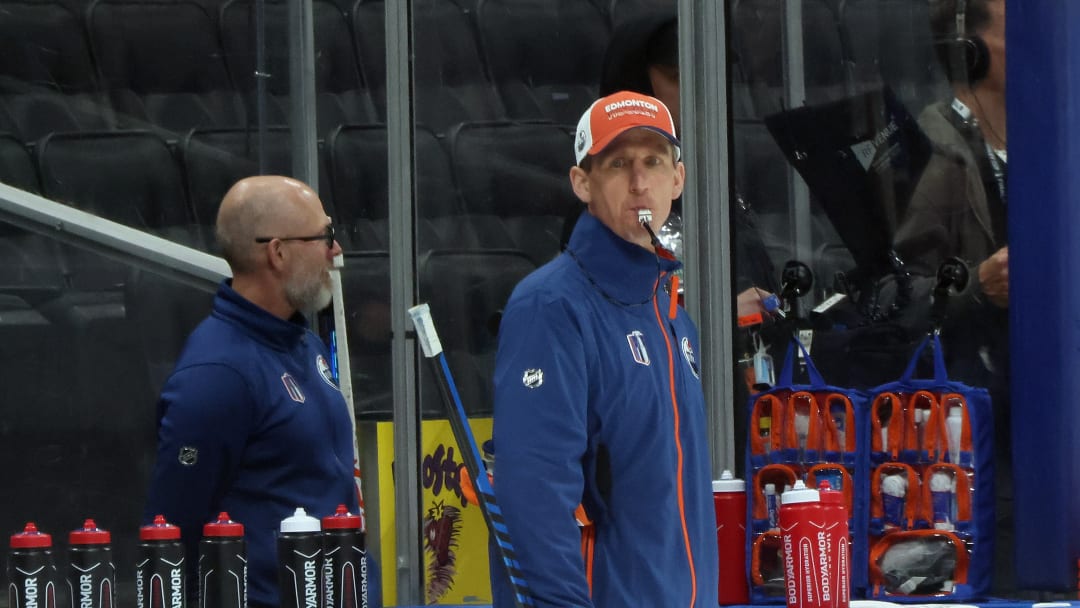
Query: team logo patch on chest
{"type": "Point", "coordinates": [691, 360]}
{"type": "Point", "coordinates": [325, 371]}
{"type": "Point", "coordinates": [637, 347]}
{"type": "Point", "coordinates": [292, 387]}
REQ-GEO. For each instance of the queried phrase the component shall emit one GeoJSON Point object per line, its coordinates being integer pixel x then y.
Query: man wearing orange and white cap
{"type": "Point", "coordinates": [598, 396]}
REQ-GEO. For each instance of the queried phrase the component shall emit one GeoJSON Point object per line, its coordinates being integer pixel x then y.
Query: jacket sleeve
{"type": "Point", "coordinates": [540, 435]}
{"type": "Point", "coordinates": [206, 416]}
{"type": "Point", "coordinates": [933, 229]}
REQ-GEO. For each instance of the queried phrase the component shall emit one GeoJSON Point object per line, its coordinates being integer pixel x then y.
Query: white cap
{"type": "Point", "coordinates": [800, 493]}
{"type": "Point", "coordinates": [728, 483]}
{"type": "Point", "coordinates": [956, 412]}
{"type": "Point", "coordinates": [770, 488]}
{"type": "Point", "coordinates": [300, 521]}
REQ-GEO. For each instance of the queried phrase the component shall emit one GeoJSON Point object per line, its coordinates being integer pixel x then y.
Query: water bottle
{"type": "Point", "coordinates": [345, 569]}
{"type": "Point", "coordinates": [806, 585]}
{"type": "Point", "coordinates": [836, 518]}
{"type": "Point", "coordinates": [729, 500]}
{"type": "Point", "coordinates": [91, 574]}
{"type": "Point", "coordinates": [223, 564]}
{"type": "Point", "coordinates": [300, 561]}
{"type": "Point", "coordinates": [954, 426]}
{"type": "Point", "coordinates": [31, 570]}
{"type": "Point", "coordinates": [159, 567]}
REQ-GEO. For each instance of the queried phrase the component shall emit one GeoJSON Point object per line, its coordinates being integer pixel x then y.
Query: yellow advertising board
{"type": "Point", "coordinates": [455, 536]}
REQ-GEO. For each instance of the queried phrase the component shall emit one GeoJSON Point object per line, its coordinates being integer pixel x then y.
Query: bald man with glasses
{"type": "Point", "coordinates": [251, 420]}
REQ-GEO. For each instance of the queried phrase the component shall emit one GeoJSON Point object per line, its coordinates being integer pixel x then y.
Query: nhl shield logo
{"type": "Point", "coordinates": [691, 360]}
{"type": "Point", "coordinates": [533, 378]}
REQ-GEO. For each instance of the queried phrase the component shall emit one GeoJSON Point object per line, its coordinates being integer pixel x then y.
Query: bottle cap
{"type": "Point", "coordinates": [89, 534]}
{"type": "Point", "coordinates": [159, 530]}
{"type": "Point", "coordinates": [223, 526]}
{"type": "Point", "coordinates": [299, 521]}
{"type": "Point", "coordinates": [30, 538]}
{"type": "Point", "coordinates": [728, 483]}
{"type": "Point", "coordinates": [956, 412]}
{"type": "Point", "coordinates": [770, 488]}
{"type": "Point", "coordinates": [799, 494]}
{"type": "Point", "coordinates": [342, 520]}
{"type": "Point", "coordinates": [765, 422]}
{"type": "Point", "coordinates": [830, 496]}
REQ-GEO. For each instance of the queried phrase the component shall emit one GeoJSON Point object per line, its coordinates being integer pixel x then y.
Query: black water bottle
{"type": "Point", "coordinates": [300, 561]}
{"type": "Point", "coordinates": [223, 564]}
{"type": "Point", "coordinates": [159, 567]}
{"type": "Point", "coordinates": [31, 569]}
{"type": "Point", "coordinates": [91, 573]}
{"type": "Point", "coordinates": [345, 569]}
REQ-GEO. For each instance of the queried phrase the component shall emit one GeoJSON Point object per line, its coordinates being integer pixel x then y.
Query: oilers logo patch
{"type": "Point", "coordinates": [691, 360]}
{"type": "Point", "coordinates": [188, 456]}
{"type": "Point", "coordinates": [533, 378]}
{"type": "Point", "coordinates": [292, 387]}
{"type": "Point", "coordinates": [637, 347]}
{"type": "Point", "coordinates": [325, 371]}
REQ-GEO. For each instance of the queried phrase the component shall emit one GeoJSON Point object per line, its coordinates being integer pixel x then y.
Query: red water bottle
{"type": "Point", "coordinates": [729, 500]}
{"type": "Point", "coordinates": [804, 544]}
{"type": "Point", "coordinates": [835, 514]}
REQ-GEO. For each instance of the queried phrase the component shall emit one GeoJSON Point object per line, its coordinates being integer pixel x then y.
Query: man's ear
{"type": "Point", "coordinates": [275, 255]}
{"type": "Point", "coordinates": [680, 179]}
{"type": "Point", "coordinates": [579, 181]}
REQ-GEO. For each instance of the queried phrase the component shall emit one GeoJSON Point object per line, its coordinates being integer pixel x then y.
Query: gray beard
{"type": "Point", "coordinates": [308, 294]}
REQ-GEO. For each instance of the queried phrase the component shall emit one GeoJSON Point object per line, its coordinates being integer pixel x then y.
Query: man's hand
{"type": "Point", "coordinates": [994, 277]}
{"type": "Point", "coordinates": [752, 301]}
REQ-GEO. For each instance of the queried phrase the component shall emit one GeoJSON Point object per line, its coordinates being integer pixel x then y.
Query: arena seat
{"type": "Point", "coordinates": [876, 31]}
{"type": "Point", "coordinates": [517, 173]}
{"type": "Point", "coordinates": [340, 93]}
{"type": "Point", "coordinates": [161, 62]}
{"type": "Point", "coordinates": [521, 40]}
{"type": "Point", "coordinates": [365, 285]}
{"type": "Point", "coordinates": [450, 81]}
{"type": "Point", "coordinates": [757, 28]}
{"type": "Point", "coordinates": [468, 291]}
{"type": "Point", "coordinates": [47, 76]}
{"type": "Point", "coordinates": [360, 184]}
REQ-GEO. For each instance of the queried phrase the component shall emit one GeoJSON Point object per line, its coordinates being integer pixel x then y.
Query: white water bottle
{"type": "Point", "coordinates": [954, 424]}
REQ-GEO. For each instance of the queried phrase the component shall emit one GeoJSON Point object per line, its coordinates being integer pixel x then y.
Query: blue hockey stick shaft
{"type": "Point", "coordinates": [459, 423]}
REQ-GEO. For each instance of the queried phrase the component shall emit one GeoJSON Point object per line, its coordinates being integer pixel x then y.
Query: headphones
{"type": "Point", "coordinates": [969, 57]}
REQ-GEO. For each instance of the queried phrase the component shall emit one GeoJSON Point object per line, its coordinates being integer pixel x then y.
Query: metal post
{"type": "Point", "coordinates": [703, 66]}
{"type": "Point", "coordinates": [399, 135]}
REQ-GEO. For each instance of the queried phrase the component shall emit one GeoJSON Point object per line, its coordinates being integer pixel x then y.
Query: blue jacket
{"type": "Point", "coordinates": [598, 401]}
{"type": "Point", "coordinates": [251, 422]}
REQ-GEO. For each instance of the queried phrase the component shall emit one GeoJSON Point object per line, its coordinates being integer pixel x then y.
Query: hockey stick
{"type": "Point", "coordinates": [470, 454]}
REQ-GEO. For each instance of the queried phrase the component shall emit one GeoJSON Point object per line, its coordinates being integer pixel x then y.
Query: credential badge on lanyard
{"type": "Point", "coordinates": [764, 372]}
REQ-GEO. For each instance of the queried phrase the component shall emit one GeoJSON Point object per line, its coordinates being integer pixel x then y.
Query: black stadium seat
{"type": "Point", "coordinates": [518, 173]}
{"type": "Point", "coordinates": [161, 62]}
{"type": "Point", "coordinates": [47, 76]}
{"type": "Point", "coordinates": [450, 82]}
{"type": "Point", "coordinates": [365, 284]}
{"type": "Point", "coordinates": [129, 177]}
{"type": "Point", "coordinates": [544, 55]}
{"type": "Point", "coordinates": [340, 93]}
{"type": "Point", "coordinates": [358, 172]}
{"type": "Point", "coordinates": [468, 291]}
{"type": "Point", "coordinates": [890, 41]}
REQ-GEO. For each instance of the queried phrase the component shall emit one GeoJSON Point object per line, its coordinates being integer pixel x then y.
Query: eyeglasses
{"type": "Point", "coordinates": [327, 236]}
